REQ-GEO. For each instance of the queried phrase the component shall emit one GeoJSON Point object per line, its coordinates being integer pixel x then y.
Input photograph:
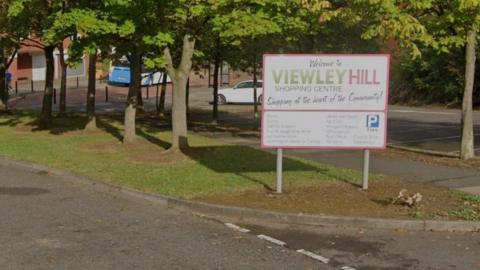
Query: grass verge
{"type": "Point", "coordinates": [213, 171]}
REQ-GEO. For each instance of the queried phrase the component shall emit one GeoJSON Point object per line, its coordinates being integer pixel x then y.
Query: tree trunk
{"type": "Point", "coordinates": [140, 98]}
{"type": "Point", "coordinates": [131, 108]}
{"type": "Point", "coordinates": [46, 115]}
{"type": "Point", "coordinates": [187, 97]}
{"type": "Point", "coordinates": [179, 78]}
{"type": "Point", "coordinates": [3, 79]}
{"type": "Point", "coordinates": [3, 89]}
{"type": "Point", "coordinates": [5, 62]}
{"type": "Point", "coordinates": [161, 102]}
{"type": "Point", "coordinates": [467, 145]}
{"type": "Point", "coordinates": [91, 92]}
{"type": "Point", "coordinates": [216, 67]}
{"type": "Point", "coordinates": [63, 82]}
{"type": "Point", "coordinates": [255, 104]}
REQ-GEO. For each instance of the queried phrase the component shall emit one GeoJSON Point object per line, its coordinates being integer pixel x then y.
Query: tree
{"type": "Point", "coordinates": [86, 22]}
{"type": "Point", "coordinates": [254, 26]}
{"type": "Point", "coordinates": [216, 50]}
{"type": "Point", "coordinates": [240, 22]}
{"type": "Point", "coordinates": [9, 44]}
{"type": "Point", "coordinates": [186, 19]}
{"type": "Point", "coordinates": [141, 29]}
{"type": "Point", "coordinates": [37, 16]}
{"type": "Point", "coordinates": [131, 29]}
{"type": "Point", "coordinates": [62, 108]}
{"type": "Point", "coordinates": [160, 103]}
{"type": "Point", "coordinates": [440, 25]}
{"type": "Point", "coordinates": [179, 75]}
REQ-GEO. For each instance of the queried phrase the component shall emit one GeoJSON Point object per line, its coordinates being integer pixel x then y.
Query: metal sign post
{"type": "Point", "coordinates": [279, 169]}
{"type": "Point", "coordinates": [366, 167]}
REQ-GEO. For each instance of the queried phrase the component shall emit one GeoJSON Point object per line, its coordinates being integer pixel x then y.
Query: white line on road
{"type": "Point", "coordinates": [347, 268]}
{"type": "Point", "coordinates": [237, 228]}
{"type": "Point", "coordinates": [271, 239]}
{"type": "Point", "coordinates": [423, 112]}
{"type": "Point", "coordinates": [313, 256]}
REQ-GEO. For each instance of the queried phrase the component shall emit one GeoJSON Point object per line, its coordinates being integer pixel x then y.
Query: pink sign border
{"type": "Point", "coordinates": [385, 110]}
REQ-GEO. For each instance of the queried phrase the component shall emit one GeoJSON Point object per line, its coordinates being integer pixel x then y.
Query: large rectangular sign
{"type": "Point", "coordinates": [325, 101]}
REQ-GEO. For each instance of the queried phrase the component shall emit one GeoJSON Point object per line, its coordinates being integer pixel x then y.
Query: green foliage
{"type": "Point", "coordinates": [418, 213]}
{"type": "Point", "coordinates": [36, 17]}
{"type": "Point", "coordinates": [438, 24]}
{"type": "Point", "coordinates": [433, 79]}
{"type": "Point", "coordinates": [471, 198]}
{"type": "Point", "coordinates": [467, 213]}
{"type": "Point", "coordinates": [434, 29]}
{"type": "Point", "coordinates": [10, 34]}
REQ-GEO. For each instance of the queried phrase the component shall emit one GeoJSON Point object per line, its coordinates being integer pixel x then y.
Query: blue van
{"type": "Point", "coordinates": [120, 74]}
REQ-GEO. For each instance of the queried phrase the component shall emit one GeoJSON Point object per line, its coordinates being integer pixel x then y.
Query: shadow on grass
{"type": "Point", "coordinates": [58, 125]}
{"type": "Point", "coordinates": [14, 118]}
{"type": "Point", "coordinates": [105, 125]}
{"type": "Point", "coordinates": [75, 122]}
{"type": "Point", "coordinates": [242, 160]}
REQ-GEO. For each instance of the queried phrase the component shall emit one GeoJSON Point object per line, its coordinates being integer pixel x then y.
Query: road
{"type": "Point", "coordinates": [382, 250]}
{"type": "Point", "coordinates": [53, 223]}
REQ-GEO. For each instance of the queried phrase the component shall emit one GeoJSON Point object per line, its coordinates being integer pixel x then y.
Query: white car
{"type": "Point", "coordinates": [240, 93]}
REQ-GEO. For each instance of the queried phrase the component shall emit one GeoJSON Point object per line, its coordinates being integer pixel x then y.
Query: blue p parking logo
{"type": "Point", "coordinates": [373, 121]}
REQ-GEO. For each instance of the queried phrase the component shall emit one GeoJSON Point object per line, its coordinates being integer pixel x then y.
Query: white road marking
{"type": "Point", "coordinates": [271, 239]}
{"type": "Point", "coordinates": [423, 112]}
{"type": "Point", "coordinates": [237, 228]}
{"type": "Point", "coordinates": [347, 268]}
{"type": "Point", "coordinates": [314, 256]}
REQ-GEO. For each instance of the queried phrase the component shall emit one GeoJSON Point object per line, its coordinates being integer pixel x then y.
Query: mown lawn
{"type": "Point", "coordinates": [216, 172]}
{"type": "Point", "coordinates": [210, 167]}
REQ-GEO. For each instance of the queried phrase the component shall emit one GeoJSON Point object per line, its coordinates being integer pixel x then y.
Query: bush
{"type": "Point", "coordinates": [433, 79]}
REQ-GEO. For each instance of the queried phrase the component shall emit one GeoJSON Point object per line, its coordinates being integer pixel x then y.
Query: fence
{"type": "Point", "coordinates": [28, 86]}
{"type": "Point", "coordinates": [24, 87]}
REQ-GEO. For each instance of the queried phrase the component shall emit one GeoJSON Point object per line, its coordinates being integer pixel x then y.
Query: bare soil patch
{"type": "Point", "coordinates": [346, 199]}
{"type": "Point", "coordinates": [24, 128]}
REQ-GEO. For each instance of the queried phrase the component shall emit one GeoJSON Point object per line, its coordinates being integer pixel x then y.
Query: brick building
{"type": "Point", "coordinates": [29, 64]}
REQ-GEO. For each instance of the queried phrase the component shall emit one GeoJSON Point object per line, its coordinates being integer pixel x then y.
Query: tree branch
{"type": "Point", "coordinates": [187, 51]}
{"type": "Point", "coordinates": [36, 43]}
{"type": "Point", "coordinates": [12, 57]}
{"type": "Point", "coordinates": [169, 66]}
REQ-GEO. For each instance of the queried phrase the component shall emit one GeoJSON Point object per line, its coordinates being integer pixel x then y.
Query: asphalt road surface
{"type": "Point", "coordinates": [52, 223]}
{"type": "Point", "coordinates": [381, 249]}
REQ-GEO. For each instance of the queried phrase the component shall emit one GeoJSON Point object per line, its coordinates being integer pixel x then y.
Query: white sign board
{"type": "Point", "coordinates": [325, 101]}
